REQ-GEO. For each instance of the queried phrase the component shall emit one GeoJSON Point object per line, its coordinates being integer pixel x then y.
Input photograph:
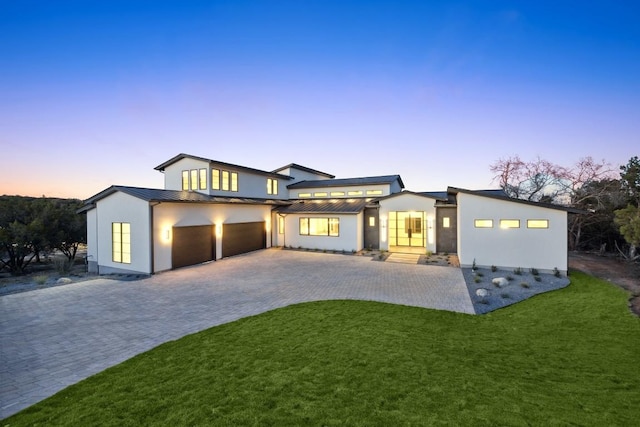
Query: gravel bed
{"type": "Point", "coordinates": [521, 287]}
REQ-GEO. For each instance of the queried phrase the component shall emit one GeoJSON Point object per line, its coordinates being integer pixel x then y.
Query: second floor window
{"type": "Point", "coordinates": [272, 186]}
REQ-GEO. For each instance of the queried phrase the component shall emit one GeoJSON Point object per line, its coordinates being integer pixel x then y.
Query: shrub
{"type": "Point", "coordinates": [537, 278]}
{"type": "Point", "coordinates": [534, 271]}
{"type": "Point", "coordinates": [480, 274]}
{"type": "Point", "coordinates": [505, 295]}
{"type": "Point", "coordinates": [509, 278]}
{"type": "Point", "coordinates": [524, 285]}
{"type": "Point", "coordinates": [518, 271]}
{"type": "Point", "coordinates": [473, 265]}
{"type": "Point", "coordinates": [41, 279]}
{"type": "Point", "coordinates": [494, 268]}
{"type": "Point", "coordinates": [429, 253]}
{"type": "Point", "coordinates": [477, 279]}
{"type": "Point", "coordinates": [62, 265]}
{"type": "Point", "coordinates": [556, 272]}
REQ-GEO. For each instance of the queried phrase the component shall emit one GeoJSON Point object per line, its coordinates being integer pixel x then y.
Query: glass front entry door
{"type": "Point", "coordinates": [406, 229]}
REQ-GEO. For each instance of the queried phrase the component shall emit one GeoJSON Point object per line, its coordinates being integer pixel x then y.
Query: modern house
{"type": "Point", "coordinates": [210, 209]}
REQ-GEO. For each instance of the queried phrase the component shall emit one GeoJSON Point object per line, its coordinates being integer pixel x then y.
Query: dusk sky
{"type": "Point", "coordinates": [95, 93]}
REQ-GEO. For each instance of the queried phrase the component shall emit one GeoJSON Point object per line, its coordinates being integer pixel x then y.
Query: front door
{"type": "Point", "coordinates": [406, 229]}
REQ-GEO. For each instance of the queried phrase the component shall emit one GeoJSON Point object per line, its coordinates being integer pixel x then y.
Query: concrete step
{"type": "Point", "coordinates": [403, 258]}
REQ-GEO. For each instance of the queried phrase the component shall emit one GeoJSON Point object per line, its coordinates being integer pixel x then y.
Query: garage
{"type": "Point", "coordinates": [192, 245]}
{"type": "Point", "coordinates": [243, 237]}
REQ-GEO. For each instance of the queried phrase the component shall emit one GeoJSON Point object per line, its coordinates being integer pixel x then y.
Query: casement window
{"type": "Point", "coordinates": [320, 194]}
{"type": "Point", "coordinates": [304, 195]}
{"type": "Point", "coordinates": [355, 193]}
{"type": "Point", "coordinates": [194, 179]}
{"type": "Point", "coordinates": [537, 223]}
{"type": "Point", "coordinates": [202, 183]}
{"type": "Point", "coordinates": [483, 223]}
{"type": "Point", "coordinates": [215, 179]}
{"type": "Point", "coordinates": [374, 192]}
{"type": "Point", "coordinates": [280, 225]}
{"type": "Point", "coordinates": [234, 181]}
{"type": "Point", "coordinates": [185, 180]}
{"type": "Point", "coordinates": [320, 227]}
{"type": "Point", "coordinates": [225, 180]}
{"type": "Point", "coordinates": [272, 186]}
{"type": "Point", "coordinates": [509, 223]}
{"type": "Point", "coordinates": [121, 242]}
{"type": "Point", "coordinates": [337, 193]}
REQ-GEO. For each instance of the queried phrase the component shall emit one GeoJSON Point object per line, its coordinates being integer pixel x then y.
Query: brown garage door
{"type": "Point", "coordinates": [243, 237]}
{"type": "Point", "coordinates": [192, 245]}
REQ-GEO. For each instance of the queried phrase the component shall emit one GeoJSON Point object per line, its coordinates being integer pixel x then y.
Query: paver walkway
{"type": "Point", "coordinates": [52, 338]}
{"type": "Point", "coordinates": [403, 258]}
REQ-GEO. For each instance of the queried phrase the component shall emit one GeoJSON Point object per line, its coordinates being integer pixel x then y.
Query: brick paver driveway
{"type": "Point", "coordinates": [55, 337]}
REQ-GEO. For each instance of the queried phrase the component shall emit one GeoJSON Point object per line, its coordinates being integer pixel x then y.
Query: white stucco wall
{"type": "Point", "coordinates": [350, 238]}
{"type": "Point", "coordinates": [407, 202]}
{"type": "Point", "coordinates": [92, 240]}
{"type": "Point", "coordinates": [169, 215]}
{"type": "Point", "coordinates": [544, 249]}
{"type": "Point", "coordinates": [385, 188]}
{"type": "Point", "coordinates": [120, 207]}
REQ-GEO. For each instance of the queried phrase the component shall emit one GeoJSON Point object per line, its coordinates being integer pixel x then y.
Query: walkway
{"type": "Point", "coordinates": [52, 338]}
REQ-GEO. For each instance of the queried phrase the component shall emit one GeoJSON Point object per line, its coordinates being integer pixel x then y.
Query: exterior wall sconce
{"type": "Point", "coordinates": [167, 234]}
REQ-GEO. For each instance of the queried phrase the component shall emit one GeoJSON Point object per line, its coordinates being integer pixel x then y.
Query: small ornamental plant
{"type": "Point", "coordinates": [556, 272]}
{"type": "Point", "coordinates": [494, 268]}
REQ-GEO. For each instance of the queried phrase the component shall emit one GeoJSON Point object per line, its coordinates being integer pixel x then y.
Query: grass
{"type": "Point", "coordinates": [566, 357]}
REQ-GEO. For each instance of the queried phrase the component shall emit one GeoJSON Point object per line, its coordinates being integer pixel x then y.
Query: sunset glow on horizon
{"type": "Point", "coordinates": [95, 94]}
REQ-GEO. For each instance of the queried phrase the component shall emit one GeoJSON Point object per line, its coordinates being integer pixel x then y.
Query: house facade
{"type": "Point", "coordinates": [210, 209]}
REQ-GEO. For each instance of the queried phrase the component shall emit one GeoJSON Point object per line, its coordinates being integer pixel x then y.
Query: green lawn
{"type": "Point", "coordinates": [566, 357]}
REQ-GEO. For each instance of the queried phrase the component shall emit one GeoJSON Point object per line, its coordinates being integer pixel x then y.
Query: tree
{"type": "Point", "coordinates": [628, 219]}
{"type": "Point", "coordinates": [29, 226]}
{"type": "Point", "coordinates": [534, 181]}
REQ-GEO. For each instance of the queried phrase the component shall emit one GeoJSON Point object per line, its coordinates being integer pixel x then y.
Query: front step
{"type": "Point", "coordinates": [403, 258]}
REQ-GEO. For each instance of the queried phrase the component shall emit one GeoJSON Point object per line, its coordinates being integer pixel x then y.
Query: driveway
{"type": "Point", "coordinates": [52, 338]}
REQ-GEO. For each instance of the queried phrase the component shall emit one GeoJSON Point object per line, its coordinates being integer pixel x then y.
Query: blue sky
{"type": "Point", "coordinates": [97, 93]}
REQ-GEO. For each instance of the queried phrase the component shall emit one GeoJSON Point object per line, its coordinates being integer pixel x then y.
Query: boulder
{"type": "Point", "coordinates": [500, 282]}
{"type": "Point", "coordinates": [63, 281]}
{"type": "Point", "coordinates": [482, 292]}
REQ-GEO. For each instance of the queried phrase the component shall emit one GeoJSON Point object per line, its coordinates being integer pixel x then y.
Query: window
{"type": "Point", "coordinates": [215, 179]}
{"type": "Point", "coordinates": [446, 222]}
{"type": "Point", "coordinates": [304, 195]}
{"type": "Point", "coordinates": [280, 225]}
{"type": "Point", "coordinates": [372, 221]}
{"type": "Point", "coordinates": [483, 223]}
{"type": "Point", "coordinates": [203, 179]}
{"type": "Point", "coordinates": [272, 186]}
{"type": "Point", "coordinates": [537, 223]}
{"type": "Point", "coordinates": [194, 179]}
{"type": "Point", "coordinates": [121, 242]}
{"type": "Point", "coordinates": [374, 192]}
{"type": "Point", "coordinates": [225, 180]}
{"type": "Point", "coordinates": [234, 181]}
{"type": "Point", "coordinates": [413, 224]}
{"type": "Point", "coordinates": [355, 193]}
{"type": "Point", "coordinates": [320, 227]}
{"type": "Point", "coordinates": [320, 194]}
{"type": "Point", "coordinates": [337, 193]}
{"type": "Point", "coordinates": [509, 223]}
{"type": "Point", "coordinates": [185, 180]}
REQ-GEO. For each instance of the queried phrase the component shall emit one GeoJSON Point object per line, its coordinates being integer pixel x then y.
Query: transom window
{"type": "Point", "coordinates": [320, 227]}
{"type": "Point", "coordinates": [121, 242]}
{"type": "Point", "coordinates": [304, 195]}
{"type": "Point", "coordinates": [320, 194]}
{"type": "Point", "coordinates": [374, 192]}
{"type": "Point", "coordinates": [483, 223]}
{"type": "Point", "coordinates": [337, 193]}
{"type": "Point", "coordinates": [355, 193]}
{"type": "Point", "coordinates": [509, 223]}
{"type": "Point", "coordinates": [537, 223]}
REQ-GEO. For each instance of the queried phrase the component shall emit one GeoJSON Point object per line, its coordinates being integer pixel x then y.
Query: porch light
{"type": "Point", "coordinates": [167, 234]}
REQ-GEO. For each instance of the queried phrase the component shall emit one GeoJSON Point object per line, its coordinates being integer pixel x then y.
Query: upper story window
{"type": "Point", "coordinates": [202, 181]}
{"type": "Point", "coordinates": [215, 179]}
{"type": "Point", "coordinates": [355, 193]}
{"type": "Point", "coordinates": [185, 180]}
{"type": "Point", "coordinates": [304, 195]}
{"type": "Point", "coordinates": [374, 192]}
{"type": "Point", "coordinates": [337, 193]}
{"type": "Point", "coordinates": [194, 179]}
{"type": "Point", "coordinates": [272, 186]}
{"type": "Point", "coordinates": [320, 194]}
{"type": "Point", "coordinates": [224, 180]}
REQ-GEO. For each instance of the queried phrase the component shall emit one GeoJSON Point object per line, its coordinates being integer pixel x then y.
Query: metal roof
{"type": "Point", "coordinates": [336, 206]}
{"type": "Point", "coordinates": [161, 167]}
{"type": "Point", "coordinates": [175, 196]}
{"type": "Point", "coordinates": [368, 180]}
{"type": "Point", "coordinates": [501, 195]}
{"type": "Point", "coordinates": [303, 168]}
